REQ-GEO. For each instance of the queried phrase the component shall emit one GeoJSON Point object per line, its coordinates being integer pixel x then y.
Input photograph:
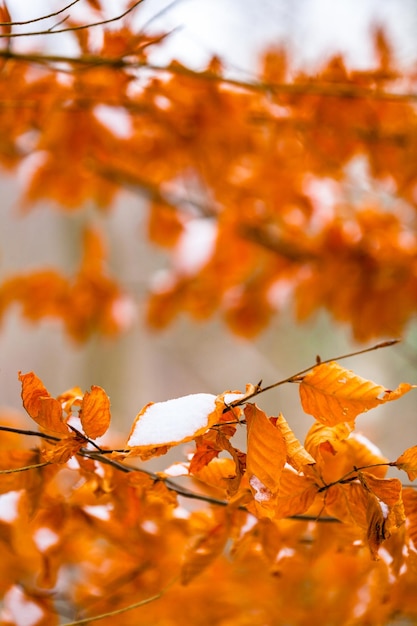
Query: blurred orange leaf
{"type": "Point", "coordinates": [6, 19]}
{"type": "Point", "coordinates": [333, 394]}
{"type": "Point", "coordinates": [95, 412]}
{"type": "Point", "coordinates": [204, 551]}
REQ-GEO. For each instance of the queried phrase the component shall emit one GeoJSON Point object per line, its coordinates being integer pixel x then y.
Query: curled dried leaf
{"type": "Point", "coordinates": [95, 412]}
{"type": "Point", "coordinates": [407, 461]}
{"type": "Point", "coordinates": [42, 408]}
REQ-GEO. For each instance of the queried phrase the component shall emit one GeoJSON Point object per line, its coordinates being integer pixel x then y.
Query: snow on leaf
{"type": "Point", "coordinates": [175, 421]}
{"type": "Point", "coordinates": [333, 394]}
{"type": "Point", "coordinates": [407, 461]}
{"type": "Point", "coordinates": [95, 412]}
{"type": "Point", "coordinates": [42, 408]}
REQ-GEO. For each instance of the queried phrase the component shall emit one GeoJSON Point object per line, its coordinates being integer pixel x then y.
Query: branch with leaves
{"type": "Point", "coordinates": [248, 496]}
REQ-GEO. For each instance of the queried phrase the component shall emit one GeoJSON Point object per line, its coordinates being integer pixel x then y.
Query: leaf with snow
{"type": "Point", "coordinates": [175, 421]}
{"type": "Point", "coordinates": [333, 394]}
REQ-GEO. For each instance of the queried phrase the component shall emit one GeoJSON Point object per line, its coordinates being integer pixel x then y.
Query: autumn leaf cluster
{"type": "Point", "coordinates": [318, 529]}
{"type": "Point", "coordinates": [262, 169]}
{"type": "Point", "coordinates": [250, 526]}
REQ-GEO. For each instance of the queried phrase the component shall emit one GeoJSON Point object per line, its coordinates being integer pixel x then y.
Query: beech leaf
{"type": "Point", "coordinates": [333, 394]}
{"type": "Point", "coordinates": [407, 461]}
{"type": "Point", "coordinates": [266, 456]}
{"type": "Point", "coordinates": [42, 408]}
{"type": "Point", "coordinates": [297, 455]}
{"type": "Point", "coordinates": [95, 412]}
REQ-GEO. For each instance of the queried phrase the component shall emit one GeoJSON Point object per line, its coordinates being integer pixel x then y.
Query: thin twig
{"type": "Point", "coordinates": [24, 469]}
{"type": "Point", "coordinates": [75, 28]}
{"type": "Point", "coordinates": [297, 377]}
{"type": "Point", "coordinates": [308, 88]}
{"type": "Point", "coordinates": [136, 605]}
{"type": "Point", "coordinates": [353, 475]}
{"type": "Point", "coordinates": [40, 19]}
{"type": "Point", "coordinates": [31, 433]}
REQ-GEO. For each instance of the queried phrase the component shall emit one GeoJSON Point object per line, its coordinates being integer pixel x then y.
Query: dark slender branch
{"type": "Point", "coordinates": [183, 491]}
{"type": "Point", "coordinates": [31, 433]}
{"type": "Point", "coordinates": [40, 19]}
{"type": "Point", "coordinates": [352, 475]}
{"type": "Point", "coordinates": [298, 377]}
{"type": "Point", "coordinates": [74, 28]}
{"type": "Point", "coordinates": [308, 88]}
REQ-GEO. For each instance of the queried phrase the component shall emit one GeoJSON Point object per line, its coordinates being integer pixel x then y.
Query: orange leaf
{"type": "Point", "coordinates": [95, 412]}
{"type": "Point", "coordinates": [42, 408]}
{"type": "Point", "coordinates": [64, 449]}
{"type": "Point", "coordinates": [407, 461]}
{"type": "Point", "coordinates": [348, 503]}
{"type": "Point", "coordinates": [297, 455]}
{"type": "Point", "coordinates": [217, 473]}
{"type": "Point", "coordinates": [5, 19]}
{"type": "Point", "coordinates": [333, 394]}
{"type": "Point", "coordinates": [296, 494]}
{"type": "Point", "coordinates": [377, 532]}
{"type": "Point", "coordinates": [386, 489]}
{"type": "Point", "coordinates": [410, 506]}
{"type": "Point", "coordinates": [204, 551]}
{"type": "Point", "coordinates": [266, 455]}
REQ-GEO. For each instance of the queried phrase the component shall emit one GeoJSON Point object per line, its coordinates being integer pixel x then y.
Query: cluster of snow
{"type": "Point", "coordinates": [177, 420]}
{"type": "Point", "coordinates": [172, 421]}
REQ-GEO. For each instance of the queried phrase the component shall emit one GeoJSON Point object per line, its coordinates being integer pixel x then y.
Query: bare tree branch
{"type": "Point", "coordinates": [51, 31]}
{"type": "Point", "coordinates": [307, 88]}
{"type": "Point", "coordinates": [38, 19]}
